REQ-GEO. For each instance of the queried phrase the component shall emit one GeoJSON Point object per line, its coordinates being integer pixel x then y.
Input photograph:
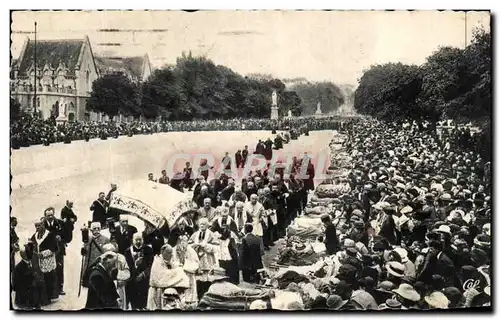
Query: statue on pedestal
{"type": "Point", "coordinates": [62, 110]}
{"type": "Point", "coordinates": [274, 106]}
{"type": "Point", "coordinates": [318, 108]}
{"type": "Point", "coordinates": [275, 99]}
{"type": "Point", "coordinates": [289, 113]}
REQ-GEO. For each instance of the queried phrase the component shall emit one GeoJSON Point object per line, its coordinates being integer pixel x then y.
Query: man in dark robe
{"type": "Point", "coordinates": [122, 235]}
{"type": "Point", "coordinates": [268, 149]}
{"type": "Point", "coordinates": [224, 221]}
{"type": "Point", "coordinates": [69, 218]}
{"type": "Point", "coordinates": [57, 227]}
{"type": "Point", "coordinates": [228, 191]}
{"type": "Point", "coordinates": [139, 259]}
{"type": "Point", "coordinates": [331, 240]}
{"type": "Point", "coordinates": [23, 283]}
{"type": "Point", "coordinates": [251, 255]}
{"type": "Point", "coordinates": [244, 155]}
{"type": "Point", "coordinates": [270, 205]}
{"type": "Point", "coordinates": [99, 210]}
{"type": "Point", "coordinates": [259, 148]}
{"type": "Point", "coordinates": [102, 292]}
{"type": "Point", "coordinates": [44, 245]}
{"type": "Point", "coordinates": [239, 159]}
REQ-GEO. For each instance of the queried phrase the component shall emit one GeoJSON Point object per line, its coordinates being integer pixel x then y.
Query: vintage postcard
{"type": "Point", "coordinates": [251, 160]}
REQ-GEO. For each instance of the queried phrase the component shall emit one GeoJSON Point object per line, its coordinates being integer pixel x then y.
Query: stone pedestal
{"type": "Point", "coordinates": [274, 113]}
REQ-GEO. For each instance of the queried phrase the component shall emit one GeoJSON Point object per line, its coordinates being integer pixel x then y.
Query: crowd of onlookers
{"type": "Point", "coordinates": [32, 131]}
{"type": "Point", "coordinates": [408, 226]}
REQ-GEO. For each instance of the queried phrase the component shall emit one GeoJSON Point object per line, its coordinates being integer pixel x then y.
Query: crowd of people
{"type": "Point", "coordinates": [404, 224]}
{"type": "Point", "coordinates": [32, 131]}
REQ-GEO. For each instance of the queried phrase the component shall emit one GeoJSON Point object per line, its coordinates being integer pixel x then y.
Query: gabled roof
{"type": "Point", "coordinates": [133, 66]}
{"type": "Point", "coordinates": [51, 53]}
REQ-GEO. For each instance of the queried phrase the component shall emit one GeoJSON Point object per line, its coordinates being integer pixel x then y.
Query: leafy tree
{"type": "Point", "coordinates": [160, 94]}
{"type": "Point", "coordinates": [328, 93]}
{"type": "Point", "coordinates": [290, 100]}
{"type": "Point", "coordinates": [113, 94]}
{"type": "Point", "coordinates": [389, 92]}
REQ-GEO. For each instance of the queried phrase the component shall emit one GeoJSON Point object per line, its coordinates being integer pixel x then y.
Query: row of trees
{"type": "Point", "coordinates": [196, 88]}
{"type": "Point", "coordinates": [453, 83]}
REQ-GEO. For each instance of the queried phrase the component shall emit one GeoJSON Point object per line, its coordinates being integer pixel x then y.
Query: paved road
{"type": "Point", "coordinates": [48, 176]}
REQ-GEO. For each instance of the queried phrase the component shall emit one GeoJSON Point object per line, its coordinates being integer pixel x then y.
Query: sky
{"type": "Point", "coordinates": [317, 45]}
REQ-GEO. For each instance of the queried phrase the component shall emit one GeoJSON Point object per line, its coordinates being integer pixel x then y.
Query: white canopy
{"type": "Point", "coordinates": [150, 201]}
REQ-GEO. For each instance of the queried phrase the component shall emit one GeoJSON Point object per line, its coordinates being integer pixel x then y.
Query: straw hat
{"type": "Point", "coordinates": [437, 300]}
{"type": "Point", "coordinates": [403, 254]}
{"type": "Point", "coordinates": [396, 269]}
{"type": "Point", "coordinates": [407, 292]}
{"type": "Point", "coordinates": [444, 229]}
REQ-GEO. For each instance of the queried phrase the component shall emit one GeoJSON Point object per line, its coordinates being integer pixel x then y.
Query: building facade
{"type": "Point", "coordinates": [65, 71]}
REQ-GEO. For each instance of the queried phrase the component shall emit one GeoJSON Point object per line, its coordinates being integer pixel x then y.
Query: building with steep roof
{"type": "Point", "coordinates": [65, 70]}
{"type": "Point", "coordinates": [137, 69]}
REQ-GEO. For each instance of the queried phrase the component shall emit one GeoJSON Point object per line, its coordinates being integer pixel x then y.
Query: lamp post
{"type": "Point", "coordinates": [35, 81]}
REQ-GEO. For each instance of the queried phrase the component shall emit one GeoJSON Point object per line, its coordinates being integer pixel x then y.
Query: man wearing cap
{"type": "Point", "coordinates": [122, 236]}
{"type": "Point", "coordinates": [102, 293]}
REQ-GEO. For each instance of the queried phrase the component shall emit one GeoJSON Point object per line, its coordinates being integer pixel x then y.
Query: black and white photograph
{"type": "Point", "coordinates": [244, 160]}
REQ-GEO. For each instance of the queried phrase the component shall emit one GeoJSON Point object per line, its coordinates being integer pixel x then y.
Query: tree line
{"type": "Point", "coordinates": [453, 83]}
{"type": "Point", "coordinates": [196, 88]}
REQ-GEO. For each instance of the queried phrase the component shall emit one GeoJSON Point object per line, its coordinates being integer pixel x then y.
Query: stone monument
{"type": "Point", "coordinates": [318, 109]}
{"type": "Point", "coordinates": [62, 112]}
{"type": "Point", "coordinates": [274, 106]}
{"type": "Point", "coordinates": [290, 114]}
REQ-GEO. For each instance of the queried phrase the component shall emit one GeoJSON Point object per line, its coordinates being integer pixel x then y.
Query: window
{"type": "Point", "coordinates": [87, 78]}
